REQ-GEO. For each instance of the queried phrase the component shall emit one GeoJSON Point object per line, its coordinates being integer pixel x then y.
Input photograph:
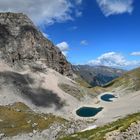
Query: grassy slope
{"type": "Point", "coordinates": [81, 89]}
{"type": "Point", "coordinates": [79, 92]}
{"type": "Point", "coordinates": [18, 118]}
{"type": "Point", "coordinates": [100, 132]}
{"type": "Point", "coordinates": [82, 82]}
{"type": "Point", "coordinates": [91, 89]}
{"type": "Point", "coordinates": [74, 91]}
{"type": "Point", "coordinates": [130, 81]}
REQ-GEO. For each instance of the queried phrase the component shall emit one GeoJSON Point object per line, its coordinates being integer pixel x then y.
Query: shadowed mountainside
{"type": "Point", "coordinates": [21, 87]}
{"type": "Point", "coordinates": [97, 75]}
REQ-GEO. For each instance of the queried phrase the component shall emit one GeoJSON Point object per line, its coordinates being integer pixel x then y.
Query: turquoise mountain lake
{"type": "Point", "coordinates": [107, 97]}
{"type": "Point", "coordinates": [88, 111]}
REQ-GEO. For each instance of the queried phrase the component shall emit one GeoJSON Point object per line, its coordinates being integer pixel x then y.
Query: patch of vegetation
{"type": "Point", "coordinates": [74, 91]}
{"type": "Point", "coordinates": [79, 92]}
{"type": "Point", "coordinates": [91, 90]}
{"type": "Point", "coordinates": [130, 81]}
{"type": "Point", "coordinates": [82, 82]}
{"type": "Point", "coordinates": [19, 118]}
{"type": "Point", "coordinates": [100, 132]}
{"type": "Point", "coordinates": [98, 90]}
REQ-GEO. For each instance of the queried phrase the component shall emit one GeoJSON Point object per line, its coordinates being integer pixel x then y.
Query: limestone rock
{"type": "Point", "coordinates": [21, 43]}
{"type": "Point", "coordinates": [131, 133]}
{"type": "Point", "coordinates": [2, 135]}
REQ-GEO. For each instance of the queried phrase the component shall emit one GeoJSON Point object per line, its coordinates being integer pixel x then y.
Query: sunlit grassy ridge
{"type": "Point", "coordinates": [100, 132]}
{"type": "Point", "coordinates": [74, 91]}
{"type": "Point", "coordinates": [130, 81]}
{"type": "Point", "coordinates": [19, 118]}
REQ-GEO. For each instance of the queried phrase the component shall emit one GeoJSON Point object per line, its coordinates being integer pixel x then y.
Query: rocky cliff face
{"type": "Point", "coordinates": [22, 44]}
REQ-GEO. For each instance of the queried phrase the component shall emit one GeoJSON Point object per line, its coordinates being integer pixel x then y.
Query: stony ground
{"type": "Point", "coordinates": [19, 122]}
{"type": "Point", "coordinates": [132, 133]}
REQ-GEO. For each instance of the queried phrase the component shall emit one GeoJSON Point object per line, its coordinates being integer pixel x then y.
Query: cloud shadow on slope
{"type": "Point", "coordinates": [38, 96]}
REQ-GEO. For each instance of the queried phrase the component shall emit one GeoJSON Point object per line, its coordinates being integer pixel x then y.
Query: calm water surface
{"type": "Point", "coordinates": [88, 111]}
{"type": "Point", "coordinates": [107, 97]}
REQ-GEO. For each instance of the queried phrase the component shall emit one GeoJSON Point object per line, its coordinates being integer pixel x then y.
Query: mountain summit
{"type": "Point", "coordinates": [22, 44]}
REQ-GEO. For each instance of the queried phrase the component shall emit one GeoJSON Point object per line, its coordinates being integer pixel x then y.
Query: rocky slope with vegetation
{"type": "Point", "coordinates": [127, 128]}
{"type": "Point", "coordinates": [122, 126]}
{"type": "Point", "coordinates": [129, 82]}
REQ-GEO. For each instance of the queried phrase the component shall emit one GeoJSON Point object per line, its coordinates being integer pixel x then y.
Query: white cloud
{"type": "Point", "coordinates": [78, 2]}
{"type": "Point", "coordinates": [65, 53]}
{"type": "Point", "coordinates": [113, 59]}
{"type": "Point", "coordinates": [135, 53]}
{"type": "Point", "coordinates": [78, 13]}
{"type": "Point", "coordinates": [40, 11]}
{"type": "Point", "coordinates": [113, 7]}
{"type": "Point", "coordinates": [64, 47]}
{"type": "Point", "coordinates": [72, 28]}
{"type": "Point", "coordinates": [84, 42]}
{"type": "Point", "coordinates": [45, 35]}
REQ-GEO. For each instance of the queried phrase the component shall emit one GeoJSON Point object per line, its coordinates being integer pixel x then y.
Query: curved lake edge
{"type": "Point", "coordinates": [108, 97]}
{"type": "Point", "coordinates": [88, 111]}
{"type": "Point", "coordinates": [111, 98]}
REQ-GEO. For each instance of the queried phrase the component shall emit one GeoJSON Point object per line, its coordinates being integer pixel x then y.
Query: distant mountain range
{"type": "Point", "coordinates": [97, 75]}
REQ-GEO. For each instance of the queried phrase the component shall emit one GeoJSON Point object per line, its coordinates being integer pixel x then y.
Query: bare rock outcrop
{"type": "Point", "coordinates": [131, 133]}
{"type": "Point", "coordinates": [21, 43]}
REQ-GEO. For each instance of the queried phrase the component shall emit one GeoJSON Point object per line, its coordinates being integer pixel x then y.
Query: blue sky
{"type": "Point", "coordinates": [102, 34]}
{"type": "Point", "coordinates": [95, 32]}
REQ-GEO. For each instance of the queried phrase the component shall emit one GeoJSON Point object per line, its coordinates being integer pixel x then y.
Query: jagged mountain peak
{"type": "Point", "coordinates": [21, 43]}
